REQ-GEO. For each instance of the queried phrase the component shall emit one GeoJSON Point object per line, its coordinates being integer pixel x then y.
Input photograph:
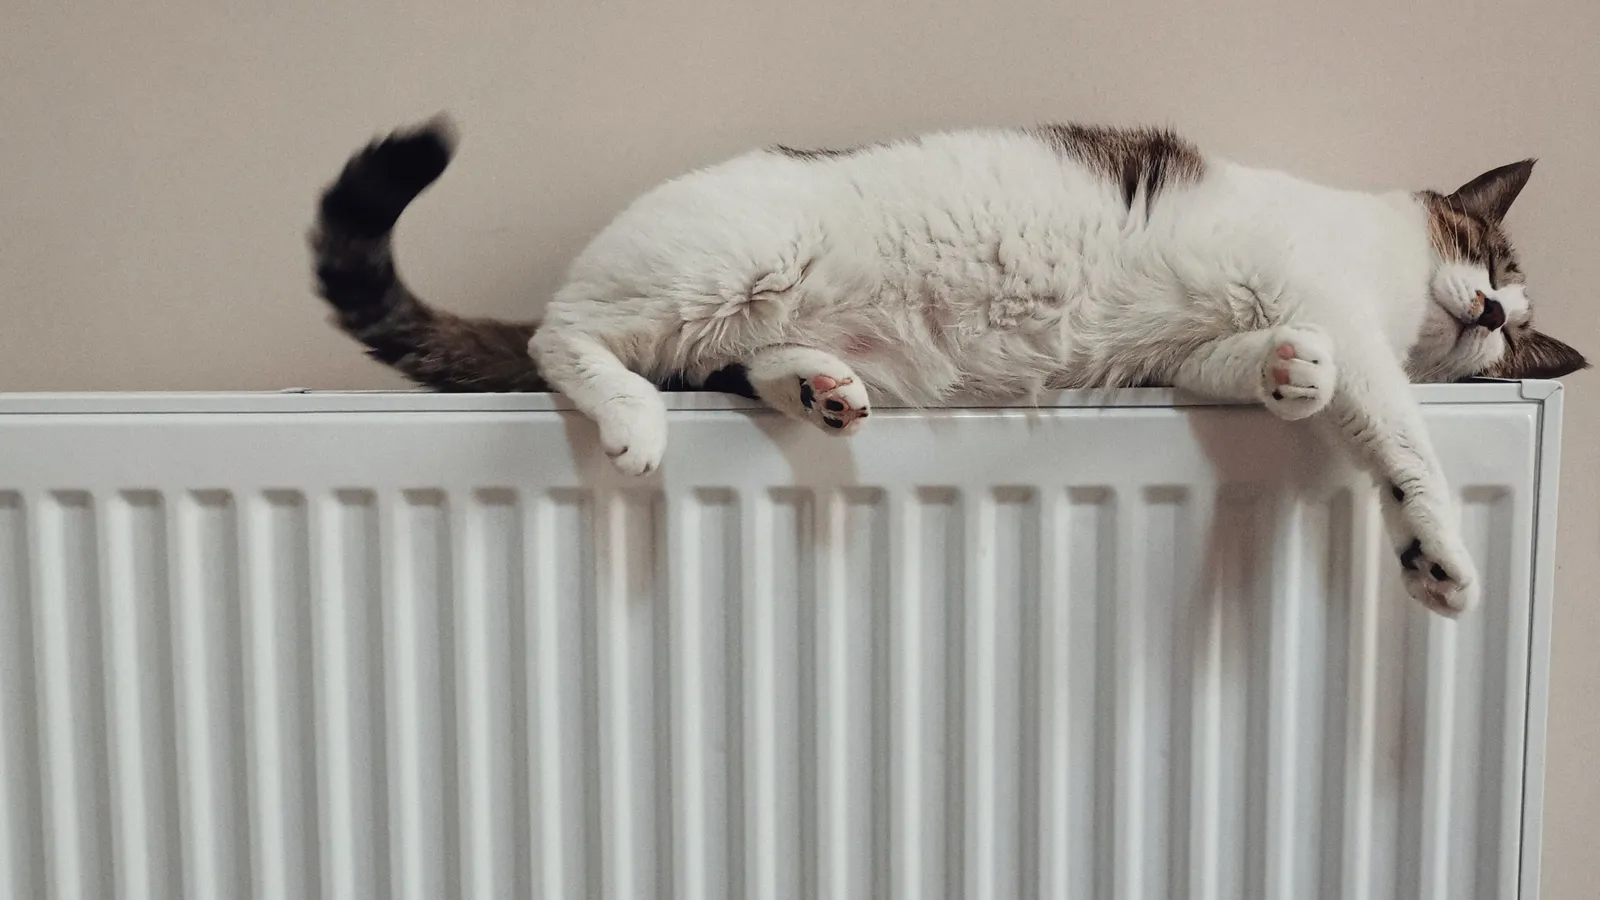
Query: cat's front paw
{"type": "Point", "coordinates": [1298, 375]}
{"type": "Point", "coordinates": [836, 405]}
{"type": "Point", "coordinates": [1440, 574]}
{"type": "Point", "coordinates": [634, 434]}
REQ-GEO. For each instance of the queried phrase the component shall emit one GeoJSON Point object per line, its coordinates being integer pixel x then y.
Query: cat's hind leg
{"type": "Point", "coordinates": [628, 409]}
{"type": "Point", "coordinates": [1288, 369]}
{"type": "Point", "coordinates": [811, 386]}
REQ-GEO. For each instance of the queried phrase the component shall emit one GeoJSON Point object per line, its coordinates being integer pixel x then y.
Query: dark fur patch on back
{"type": "Point", "coordinates": [1134, 159]}
{"type": "Point", "coordinates": [815, 153]}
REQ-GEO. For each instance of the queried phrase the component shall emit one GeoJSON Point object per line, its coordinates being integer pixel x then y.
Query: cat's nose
{"type": "Point", "coordinates": [1493, 315]}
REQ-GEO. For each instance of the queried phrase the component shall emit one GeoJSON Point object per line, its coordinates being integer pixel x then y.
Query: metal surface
{"type": "Point", "coordinates": [374, 645]}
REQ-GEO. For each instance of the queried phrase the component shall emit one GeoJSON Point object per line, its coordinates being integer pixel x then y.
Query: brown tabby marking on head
{"type": "Point", "coordinates": [1459, 236]}
{"type": "Point", "coordinates": [1152, 159]}
{"type": "Point", "coordinates": [1534, 354]}
{"type": "Point", "coordinates": [1464, 227]}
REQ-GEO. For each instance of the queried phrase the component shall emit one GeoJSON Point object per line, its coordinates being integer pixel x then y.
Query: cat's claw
{"type": "Point", "coordinates": [634, 435]}
{"type": "Point", "coordinates": [1298, 374]}
{"type": "Point", "coordinates": [836, 405]}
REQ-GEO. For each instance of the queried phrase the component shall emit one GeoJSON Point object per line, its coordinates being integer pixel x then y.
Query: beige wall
{"type": "Point", "coordinates": [158, 168]}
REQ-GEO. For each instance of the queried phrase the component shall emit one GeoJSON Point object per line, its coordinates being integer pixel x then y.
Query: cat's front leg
{"type": "Point", "coordinates": [1375, 410]}
{"type": "Point", "coordinates": [629, 411]}
{"type": "Point", "coordinates": [811, 386]}
{"type": "Point", "coordinates": [1288, 369]}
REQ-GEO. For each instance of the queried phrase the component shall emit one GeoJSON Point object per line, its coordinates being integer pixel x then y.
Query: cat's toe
{"type": "Point", "coordinates": [1442, 580]}
{"type": "Point", "coordinates": [836, 405]}
{"type": "Point", "coordinates": [1298, 375]}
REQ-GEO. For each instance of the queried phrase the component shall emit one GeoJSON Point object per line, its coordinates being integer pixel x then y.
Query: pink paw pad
{"type": "Point", "coordinates": [820, 392]}
{"type": "Point", "coordinates": [1280, 373]}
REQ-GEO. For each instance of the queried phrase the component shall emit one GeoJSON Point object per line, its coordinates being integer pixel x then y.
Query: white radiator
{"type": "Point", "coordinates": [371, 646]}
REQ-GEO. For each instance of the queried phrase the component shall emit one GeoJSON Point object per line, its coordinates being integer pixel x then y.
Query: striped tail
{"type": "Point", "coordinates": [354, 263]}
{"type": "Point", "coordinates": [353, 258]}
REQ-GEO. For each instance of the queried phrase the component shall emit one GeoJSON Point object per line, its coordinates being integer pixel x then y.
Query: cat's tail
{"type": "Point", "coordinates": [355, 272]}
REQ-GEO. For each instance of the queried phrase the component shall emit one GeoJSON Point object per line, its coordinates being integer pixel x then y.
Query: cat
{"type": "Point", "coordinates": [1004, 262]}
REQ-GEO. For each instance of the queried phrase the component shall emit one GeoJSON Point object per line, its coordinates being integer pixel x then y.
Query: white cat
{"type": "Point", "coordinates": [1008, 262]}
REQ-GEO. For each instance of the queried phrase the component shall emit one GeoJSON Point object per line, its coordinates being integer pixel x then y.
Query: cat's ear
{"type": "Point", "coordinates": [1489, 196]}
{"type": "Point", "coordinates": [1538, 355]}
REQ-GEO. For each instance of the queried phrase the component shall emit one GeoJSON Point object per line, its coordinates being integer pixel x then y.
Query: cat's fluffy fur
{"type": "Point", "coordinates": [1005, 262]}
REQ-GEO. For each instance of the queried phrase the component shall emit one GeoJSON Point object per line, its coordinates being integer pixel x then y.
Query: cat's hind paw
{"type": "Point", "coordinates": [836, 405]}
{"type": "Point", "coordinates": [1298, 374]}
{"type": "Point", "coordinates": [810, 386]}
{"type": "Point", "coordinates": [1442, 578]}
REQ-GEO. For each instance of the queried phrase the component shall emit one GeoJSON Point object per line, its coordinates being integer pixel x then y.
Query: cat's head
{"type": "Point", "coordinates": [1480, 322]}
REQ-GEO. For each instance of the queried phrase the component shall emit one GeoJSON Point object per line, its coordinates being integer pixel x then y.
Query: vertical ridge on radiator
{"type": "Point", "coordinates": [832, 701]}
{"type": "Point", "coordinates": [685, 724]}
{"type": "Point", "coordinates": [563, 570]}
{"type": "Point", "coordinates": [1210, 632]}
{"type": "Point", "coordinates": [636, 822]}
{"type": "Point", "coordinates": [1370, 685]}
{"type": "Point", "coordinates": [1154, 553]}
{"type": "Point", "coordinates": [876, 584]}
{"type": "Point", "coordinates": [282, 790]}
{"type": "Point", "coordinates": [780, 709]}
{"type": "Point", "coordinates": [1280, 605]}
{"type": "Point", "coordinates": [71, 689]}
{"type": "Point", "coordinates": [21, 815]}
{"type": "Point", "coordinates": [757, 665]}
{"type": "Point", "coordinates": [905, 690]}
{"type": "Point", "coordinates": [1055, 867]}
{"type": "Point", "coordinates": [144, 781]}
{"type": "Point", "coordinates": [211, 705]}
{"type": "Point", "coordinates": [348, 650]}
{"type": "Point", "coordinates": [1000, 664]}
{"type": "Point", "coordinates": [849, 695]}
{"type": "Point", "coordinates": [926, 582]}
{"type": "Point", "coordinates": [1491, 705]}
{"type": "Point", "coordinates": [1126, 693]}
{"type": "Point", "coordinates": [1077, 540]}
{"type": "Point", "coordinates": [704, 547]}
{"type": "Point", "coordinates": [1246, 760]}
{"type": "Point", "coordinates": [1429, 727]}
{"type": "Point", "coordinates": [488, 542]}
{"type": "Point", "coordinates": [419, 664]}
{"type": "Point", "coordinates": [1323, 586]}
{"type": "Point", "coordinates": [978, 661]}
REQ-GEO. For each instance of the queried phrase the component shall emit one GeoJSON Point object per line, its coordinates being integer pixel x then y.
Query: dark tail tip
{"type": "Point", "coordinates": [380, 181]}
